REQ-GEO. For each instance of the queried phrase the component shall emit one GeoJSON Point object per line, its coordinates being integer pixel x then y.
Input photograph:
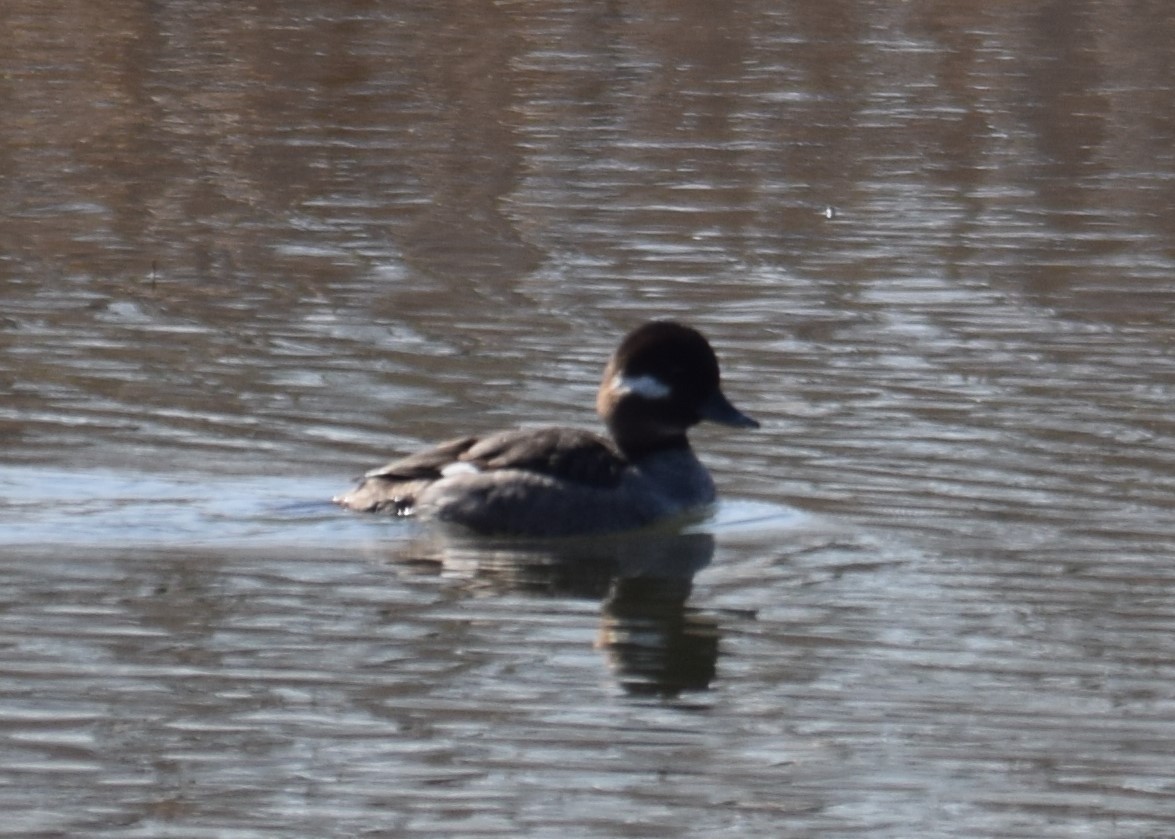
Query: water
{"type": "Point", "coordinates": [247, 253]}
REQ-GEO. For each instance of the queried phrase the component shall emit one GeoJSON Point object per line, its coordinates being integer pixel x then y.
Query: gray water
{"type": "Point", "coordinates": [248, 251]}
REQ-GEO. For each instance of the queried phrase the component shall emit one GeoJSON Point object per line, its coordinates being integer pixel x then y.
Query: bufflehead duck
{"type": "Point", "coordinates": [662, 380]}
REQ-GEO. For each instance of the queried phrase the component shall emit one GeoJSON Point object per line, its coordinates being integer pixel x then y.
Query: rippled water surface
{"type": "Point", "coordinates": [248, 251]}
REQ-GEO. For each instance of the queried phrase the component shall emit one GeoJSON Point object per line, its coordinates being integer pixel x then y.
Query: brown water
{"type": "Point", "coordinates": [248, 250]}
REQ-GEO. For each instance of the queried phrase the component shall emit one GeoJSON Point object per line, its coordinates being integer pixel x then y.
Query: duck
{"type": "Point", "coordinates": [551, 481]}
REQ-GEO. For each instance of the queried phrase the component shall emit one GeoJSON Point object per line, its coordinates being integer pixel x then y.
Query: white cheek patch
{"type": "Point", "coordinates": [650, 387]}
{"type": "Point", "coordinates": [459, 468]}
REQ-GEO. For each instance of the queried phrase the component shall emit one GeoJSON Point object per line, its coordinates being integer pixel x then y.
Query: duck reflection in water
{"type": "Point", "coordinates": [654, 643]}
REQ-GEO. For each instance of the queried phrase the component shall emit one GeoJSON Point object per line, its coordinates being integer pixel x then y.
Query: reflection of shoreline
{"type": "Point", "coordinates": [654, 644]}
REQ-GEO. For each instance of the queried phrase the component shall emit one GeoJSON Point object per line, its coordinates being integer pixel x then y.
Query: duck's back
{"type": "Point", "coordinates": [561, 454]}
{"type": "Point", "coordinates": [536, 482]}
{"type": "Point", "coordinates": [530, 503]}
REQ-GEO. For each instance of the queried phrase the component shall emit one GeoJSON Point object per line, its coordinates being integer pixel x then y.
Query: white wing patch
{"type": "Point", "coordinates": [459, 468]}
{"type": "Point", "coordinates": [650, 387]}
